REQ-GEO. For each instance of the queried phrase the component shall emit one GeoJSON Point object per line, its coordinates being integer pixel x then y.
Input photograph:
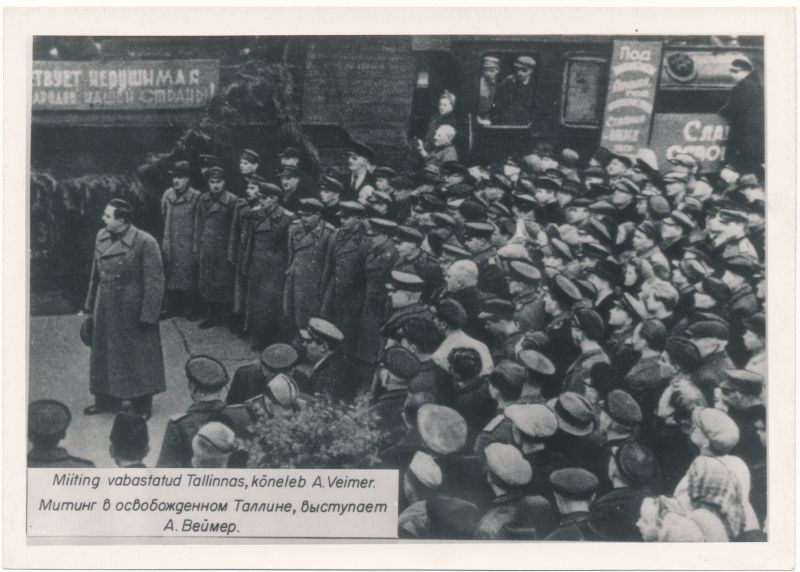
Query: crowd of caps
{"type": "Point", "coordinates": [555, 347]}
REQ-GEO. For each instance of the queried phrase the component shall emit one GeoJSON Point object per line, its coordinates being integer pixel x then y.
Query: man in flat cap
{"type": "Point", "coordinates": [478, 240]}
{"type": "Point", "coordinates": [47, 426]}
{"type": "Point", "coordinates": [248, 168]}
{"type": "Point", "coordinates": [207, 380]}
{"type": "Point", "coordinates": [215, 214]}
{"type": "Point", "coordinates": [344, 275]}
{"type": "Point", "coordinates": [505, 387]}
{"type": "Point", "coordinates": [587, 331]}
{"type": "Point", "coordinates": [548, 209]}
{"type": "Point", "coordinates": [178, 213]}
{"type": "Point", "coordinates": [266, 259]}
{"type": "Point", "coordinates": [330, 192]}
{"type": "Point", "coordinates": [524, 280]}
{"type": "Point", "coordinates": [251, 379]}
{"type": "Point", "coordinates": [560, 295]}
{"type": "Point", "coordinates": [490, 69]}
{"type": "Point", "coordinates": [212, 446]}
{"type": "Point", "coordinates": [754, 340]}
{"type": "Point", "coordinates": [742, 393]}
{"type": "Point", "coordinates": [644, 381]}
{"type": "Point", "coordinates": [130, 442]}
{"type": "Point", "coordinates": [295, 188]}
{"type": "Point", "coordinates": [619, 423]}
{"type": "Point", "coordinates": [646, 238]}
{"type": "Point", "coordinates": [711, 338]}
{"type": "Point", "coordinates": [332, 369]}
{"type": "Point", "coordinates": [397, 367]}
{"type": "Point", "coordinates": [498, 318]}
{"type": "Point", "coordinates": [514, 98]}
{"type": "Point", "coordinates": [378, 266]}
{"type": "Point", "coordinates": [727, 231]}
{"type": "Point", "coordinates": [126, 291]}
{"type": "Point", "coordinates": [309, 241]}
{"type": "Point", "coordinates": [405, 301]}
{"type": "Point", "coordinates": [574, 490]}
{"type": "Point", "coordinates": [411, 258]}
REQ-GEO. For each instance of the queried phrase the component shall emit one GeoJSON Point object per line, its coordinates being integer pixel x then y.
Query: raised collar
{"type": "Point", "coordinates": [125, 238]}
{"type": "Point", "coordinates": [54, 454]}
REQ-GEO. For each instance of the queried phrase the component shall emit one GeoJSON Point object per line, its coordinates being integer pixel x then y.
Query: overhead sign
{"type": "Point", "coordinates": [123, 85]}
{"type": "Point", "coordinates": [702, 135]}
{"type": "Point", "coordinates": [632, 82]}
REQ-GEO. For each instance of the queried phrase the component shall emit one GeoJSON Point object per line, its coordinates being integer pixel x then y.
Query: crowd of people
{"type": "Point", "coordinates": [555, 346]}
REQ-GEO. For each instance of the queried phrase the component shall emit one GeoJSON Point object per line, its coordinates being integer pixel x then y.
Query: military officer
{"type": "Point", "coordinates": [207, 380]}
{"type": "Point", "coordinates": [47, 426]}
{"type": "Point", "coordinates": [251, 380]}
{"type": "Point", "coordinates": [412, 259]}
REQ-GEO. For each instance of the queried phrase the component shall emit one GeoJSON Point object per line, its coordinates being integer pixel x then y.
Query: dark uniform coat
{"type": "Point", "coordinates": [125, 294]}
{"type": "Point", "coordinates": [179, 213]}
{"type": "Point", "coordinates": [334, 377]}
{"type": "Point", "coordinates": [575, 527]}
{"type": "Point", "coordinates": [236, 249]}
{"type": "Point", "coordinates": [55, 458]}
{"type": "Point", "coordinates": [248, 381]}
{"type": "Point", "coordinates": [507, 510]}
{"type": "Point", "coordinates": [513, 102]}
{"type": "Point", "coordinates": [529, 312]}
{"type": "Point", "coordinates": [346, 283]}
{"type": "Point", "coordinates": [378, 267]}
{"type": "Point", "coordinates": [212, 239]}
{"type": "Point", "coordinates": [265, 260]}
{"type": "Point", "coordinates": [498, 430]}
{"type": "Point", "coordinates": [745, 113]}
{"type": "Point", "coordinates": [398, 317]}
{"type": "Point", "coordinates": [176, 449]}
{"type": "Point", "coordinates": [304, 279]}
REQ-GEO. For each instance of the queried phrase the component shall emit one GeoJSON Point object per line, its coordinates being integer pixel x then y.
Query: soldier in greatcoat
{"type": "Point", "coordinates": [345, 282]}
{"type": "Point", "coordinates": [179, 211]}
{"type": "Point", "coordinates": [212, 238]}
{"type": "Point", "coordinates": [377, 266]}
{"type": "Point", "coordinates": [265, 259]}
{"type": "Point", "coordinates": [126, 290]}
{"type": "Point", "coordinates": [236, 249]}
{"type": "Point", "coordinates": [309, 241]}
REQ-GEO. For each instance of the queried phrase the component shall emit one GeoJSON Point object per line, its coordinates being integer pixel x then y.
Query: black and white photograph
{"type": "Point", "coordinates": [523, 275]}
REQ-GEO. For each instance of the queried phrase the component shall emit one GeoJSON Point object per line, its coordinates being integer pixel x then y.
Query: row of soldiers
{"type": "Point", "coordinates": [552, 351]}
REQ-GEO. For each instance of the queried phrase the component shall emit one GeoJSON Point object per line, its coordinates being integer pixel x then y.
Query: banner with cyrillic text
{"type": "Point", "coordinates": [307, 503]}
{"type": "Point", "coordinates": [632, 83]}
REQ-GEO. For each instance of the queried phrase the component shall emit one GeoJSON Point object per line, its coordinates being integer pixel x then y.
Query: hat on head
{"type": "Point", "coordinates": [675, 177]}
{"type": "Point", "coordinates": [215, 172]}
{"type": "Point", "coordinates": [715, 288]}
{"type": "Point", "coordinates": [498, 209]}
{"type": "Point", "coordinates": [384, 173]}
{"type": "Point", "coordinates": [442, 429]}
{"type": "Point", "coordinates": [514, 251]}
{"type": "Point", "coordinates": [590, 322]}
{"type": "Point", "coordinates": [575, 414]}
{"type": "Point", "coordinates": [574, 483]}
{"type": "Point", "coordinates": [588, 290]}
{"type": "Point", "coordinates": [684, 159]}
{"type": "Point", "coordinates": [458, 191]}
{"type": "Point", "coordinates": [425, 469]}
{"type": "Point", "coordinates": [594, 250]}
{"type": "Point", "coordinates": [309, 206]}
{"type": "Point", "coordinates": [506, 462]}
{"type": "Point", "coordinates": [408, 234]}
{"type": "Point", "coordinates": [217, 435]}
{"type": "Point", "coordinates": [352, 208]}
{"type": "Point", "coordinates": [681, 219]}
{"type": "Point", "coordinates": [207, 160]}
{"type": "Point", "coordinates": [401, 362]}
{"type": "Point", "coordinates": [399, 280]}
{"type": "Point", "coordinates": [284, 390]}
{"type": "Point", "coordinates": [129, 436]}
{"type": "Point", "coordinates": [250, 156]}
{"type": "Point", "coordinates": [379, 197]}
{"type": "Point", "coordinates": [330, 184]}
{"type": "Point", "coordinates": [47, 417]}
{"type": "Point", "coordinates": [323, 329]}
{"type": "Point", "coordinates": [757, 324]}
{"type": "Point", "coordinates": [609, 270]}
{"type": "Point", "coordinates": [290, 152]}
{"type": "Point", "coordinates": [740, 265]}
{"type": "Point", "coordinates": [491, 62]}
{"type": "Point", "coordinates": [180, 169]}
{"type": "Point", "coordinates": [452, 312]}
{"type": "Point", "coordinates": [565, 289]}
{"type": "Point", "coordinates": [533, 420]}
{"type": "Point", "coordinates": [525, 62]}
{"type": "Point", "coordinates": [594, 172]}
{"type": "Point", "coordinates": [267, 189]}
{"type": "Point", "coordinates": [478, 230]}
{"type": "Point", "coordinates": [683, 352]}
{"type": "Point", "coordinates": [625, 185]}
{"type": "Point", "coordinates": [497, 308]}
{"type": "Point", "coordinates": [451, 518]}
{"type": "Point", "coordinates": [382, 225]}
{"type": "Point", "coordinates": [363, 151]}
{"type": "Point", "coordinates": [632, 305]}
{"type": "Point", "coordinates": [636, 462]}
{"type": "Point", "coordinates": [603, 208]}
{"type": "Point", "coordinates": [289, 172]}
{"type": "Point", "coordinates": [206, 372]}
{"type": "Point", "coordinates": [718, 427]}
{"type": "Point", "coordinates": [524, 272]}
{"type": "Point", "coordinates": [658, 206]}
{"type": "Point", "coordinates": [547, 184]}
{"type": "Point", "coordinates": [717, 329]}
{"type": "Point", "coordinates": [524, 202]}
{"type": "Point", "coordinates": [453, 168]}
{"type": "Point", "coordinates": [455, 251]}
{"type": "Point", "coordinates": [650, 230]}
{"type": "Point", "coordinates": [279, 356]}
{"type": "Point", "coordinates": [602, 156]}
{"type": "Point", "coordinates": [444, 220]}
{"type": "Point", "coordinates": [561, 249]}
{"type": "Point", "coordinates": [743, 381]}
{"type": "Point", "coordinates": [536, 362]}
{"type": "Point", "coordinates": [622, 408]}
{"type": "Point", "coordinates": [430, 203]}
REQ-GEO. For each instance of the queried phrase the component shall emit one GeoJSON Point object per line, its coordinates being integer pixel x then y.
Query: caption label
{"type": "Point", "coordinates": [304, 503]}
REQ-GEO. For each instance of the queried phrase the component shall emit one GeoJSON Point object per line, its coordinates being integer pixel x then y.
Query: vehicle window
{"type": "Point", "coordinates": [584, 87]}
{"type": "Point", "coordinates": [506, 89]}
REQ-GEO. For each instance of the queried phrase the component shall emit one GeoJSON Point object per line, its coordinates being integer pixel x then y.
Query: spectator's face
{"type": "Point", "coordinates": [563, 198]}
{"type": "Point", "coordinates": [615, 168]}
{"type": "Point", "coordinates": [445, 106]}
{"type": "Point", "coordinates": [543, 196]}
{"type": "Point", "coordinates": [752, 341]}
{"type": "Point", "coordinates": [523, 73]}
{"type": "Point", "coordinates": [348, 220]}
{"type": "Point", "coordinates": [652, 304]}
{"type": "Point", "coordinates": [703, 301]}
{"type": "Point", "coordinates": [618, 317]}
{"type": "Point", "coordinates": [328, 197]}
{"type": "Point", "coordinates": [678, 279]}
{"type": "Point", "coordinates": [475, 244]}
{"type": "Point", "coordinates": [405, 248]}
{"type": "Point", "coordinates": [620, 198]}
{"type": "Point", "coordinates": [675, 188]}
{"type": "Point", "coordinates": [356, 162]}
{"type": "Point", "coordinates": [382, 184]}
{"type": "Point", "coordinates": [631, 275]}
{"type": "Point", "coordinates": [216, 186]}
{"type": "Point", "coordinates": [638, 341]}
{"type": "Point", "coordinates": [593, 181]}
{"type": "Point", "coordinates": [491, 73]}
{"type": "Point", "coordinates": [516, 287]}
{"type": "Point", "coordinates": [576, 215]}
{"type": "Point", "coordinates": [666, 367]}
{"type": "Point", "coordinates": [246, 167]}
{"type": "Point", "coordinates": [180, 183]}
{"type": "Point", "coordinates": [761, 431]}
{"type": "Point", "coordinates": [252, 191]}
{"type": "Point", "coordinates": [550, 305]}
{"type": "Point", "coordinates": [669, 230]}
{"type": "Point", "coordinates": [442, 137]}
{"type": "Point", "coordinates": [641, 241]}
{"type": "Point", "coordinates": [648, 520]}
{"type": "Point", "coordinates": [309, 220]}
{"type": "Point", "coordinates": [731, 397]}
{"type": "Point", "coordinates": [289, 183]}
{"type": "Point", "coordinates": [314, 349]}
{"type": "Point", "coordinates": [494, 325]}
{"type": "Point", "coordinates": [453, 280]}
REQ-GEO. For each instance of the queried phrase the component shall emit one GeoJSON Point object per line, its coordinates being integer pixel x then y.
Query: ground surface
{"type": "Point", "coordinates": [59, 369]}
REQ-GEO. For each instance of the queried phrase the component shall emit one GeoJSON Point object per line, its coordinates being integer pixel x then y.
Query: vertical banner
{"type": "Point", "coordinates": [632, 83]}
